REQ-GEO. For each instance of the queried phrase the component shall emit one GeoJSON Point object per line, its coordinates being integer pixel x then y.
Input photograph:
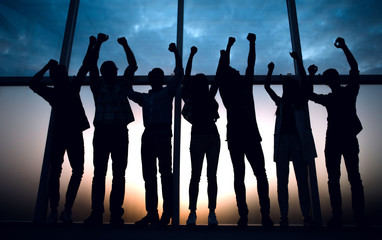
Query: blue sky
{"type": "Point", "coordinates": [31, 33]}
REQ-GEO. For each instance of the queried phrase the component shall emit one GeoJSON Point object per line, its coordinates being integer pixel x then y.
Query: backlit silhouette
{"type": "Point", "coordinates": [201, 110]}
{"type": "Point", "coordinates": [293, 139]}
{"type": "Point", "coordinates": [69, 121]}
{"type": "Point", "coordinates": [243, 136]}
{"type": "Point", "coordinates": [156, 139]}
{"type": "Point", "coordinates": [341, 137]}
{"type": "Point", "coordinates": [112, 115]}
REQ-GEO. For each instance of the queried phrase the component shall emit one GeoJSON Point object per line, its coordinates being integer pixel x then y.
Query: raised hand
{"type": "Point", "coordinates": [251, 37]}
{"type": "Point", "coordinates": [172, 47]}
{"type": "Point", "coordinates": [194, 50]}
{"type": "Point", "coordinates": [122, 41]}
{"type": "Point", "coordinates": [339, 43]}
{"type": "Point", "coordinates": [312, 69]}
{"type": "Point", "coordinates": [271, 66]}
{"type": "Point", "coordinates": [102, 37]}
{"type": "Point", "coordinates": [52, 63]}
{"type": "Point", "coordinates": [92, 40]}
{"type": "Point", "coordinates": [294, 55]}
{"type": "Point", "coordinates": [231, 41]}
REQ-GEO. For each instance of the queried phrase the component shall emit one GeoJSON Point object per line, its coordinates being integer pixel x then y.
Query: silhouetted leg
{"type": "Point", "coordinates": [149, 170]}
{"type": "Point", "coordinates": [333, 166]}
{"type": "Point", "coordinates": [119, 158]}
{"type": "Point", "coordinates": [212, 155]}
{"type": "Point", "coordinates": [76, 159]}
{"type": "Point", "coordinates": [352, 166]}
{"type": "Point", "coordinates": [57, 158]}
{"type": "Point", "coordinates": [165, 169]}
{"type": "Point", "coordinates": [301, 172]}
{"type": "Point", "coordinates": [100, 159]}
{"type": "Point", "coordinates": [197, 156]}
{"type": "Point", "coordinates": [282, 171]}
{"type": "Point", "coordinates": [255, 156]}
{"type": "Point", "coordinates": [237, 158]}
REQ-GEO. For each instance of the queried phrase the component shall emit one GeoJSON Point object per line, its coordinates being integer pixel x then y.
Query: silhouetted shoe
{"type": "Point", "coordinates": [165, 219]}
{"type": "Point", "coordinates": [212, 221]}
{"type": "Point", "coordinates": [243, 221]}
{"type": "Point", "coordinates": [66, 217]}
{"type": "Point", "coordinates": [117, 221]}
{"type": "Point", "coordinates": [284, 222]}
{"type": "Point", "coordinates": [94, 219]}
{"type": "Point", "coordinates": [335, 222]}
{"type": "Point", "coordinates": [266, 221]}
{"type": "Point", "coordinates": [191, 220]}
{"type": "Point", "coordinates": [53, 216]}
{"type": "Point", "coordinates": [152, 219]}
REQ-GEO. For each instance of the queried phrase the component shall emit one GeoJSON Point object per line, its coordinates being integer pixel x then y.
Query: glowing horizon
{"type": "Point", "coordinates": [21, 169]}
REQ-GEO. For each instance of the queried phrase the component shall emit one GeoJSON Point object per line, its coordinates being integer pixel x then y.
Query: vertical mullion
{"type": "Point", "coordinates": [42, 194]}
{"type": "Point", "coordinates": [177, 120]}
{"type": "Point", "coordinates": [296, 47]}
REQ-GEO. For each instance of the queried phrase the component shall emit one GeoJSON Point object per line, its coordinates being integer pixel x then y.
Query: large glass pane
{"type": "Point", "coordinates": [359, 22]}
{"type": "Point", "coordinates": [23, 129]}
{"type": "Point", "coordinates": [370, 115]}
{"type": "Point", "coordinates": [31, 33]}
{"type": "Point", "coordinates": [149, 27]}
{"type": "Point", "coordinates": [208, 24]}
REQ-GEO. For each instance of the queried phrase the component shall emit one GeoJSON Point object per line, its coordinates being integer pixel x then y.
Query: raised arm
{"type": "Point", "coordinates": [35, 82]}
{"type": "Point", "coordinates": [267, 84]}
{"type": "Point", "coordinates": [251, 55]}
{"type": "Point", "coordinates": [300, 66]}
{"type": "Point", "coordinates": [93, 59]}
{"type": "Point", "coordinates": [231, 41]}
{"type": "Point", "coordinates": [340, 43]}
{"type": "Point", "coordinates": [173, 85]}
{"type": "Point", "coordinates": [317, 98]}
{"type": "Point", "coordinates": [194, 50]}
{"type": "Point", "coordinates": [85, 67]}
{"type": "Point", "coordinates": [312, 69]}
{"type": "Point", "coordinates": [187, 75]}
{"type": "Point", "coordinates": [132, 67]}
{"type": "Point", "coordinates": [306, 84]}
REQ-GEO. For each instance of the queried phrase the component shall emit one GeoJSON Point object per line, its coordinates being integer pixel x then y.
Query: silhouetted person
{"type": "Point", "coordinates": [112, 115]}
{"type": "Point", "coordinates": [202, 112]}
{"type": "Point", "coordinates": [69, 121]}
{"type": "Point", "coordinates": [341, 137]}
{"type": "Point", "coordinates": [156, 139]}
{"type": "Point", "coordinates": [293, 139]}
{"type": "Point", "coordinates": [243, 136]}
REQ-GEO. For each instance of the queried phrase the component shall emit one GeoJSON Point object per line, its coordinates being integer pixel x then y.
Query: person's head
{"type": "Point", "coordinates": [109, 70]}
{"type": "Point", "coordinates": [199, 85]}
{"type": "Point", "coordinates": [232, 81]}
{"type": "Point", "coordinates": [290, 87]}
{"type": "Point", "coordinates": [59, 75]}
{"type": "Point", "coordinates": [156, 78]}
{"type": "Point", "coordinates": [331, 78]}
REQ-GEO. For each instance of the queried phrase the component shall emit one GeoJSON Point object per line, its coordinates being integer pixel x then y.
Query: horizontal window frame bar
{"type": "Point", "coordinates": [143, 80]}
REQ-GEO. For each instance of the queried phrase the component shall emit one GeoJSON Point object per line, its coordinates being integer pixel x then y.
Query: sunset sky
{"type": "Point", "coordinates": [31, 33]}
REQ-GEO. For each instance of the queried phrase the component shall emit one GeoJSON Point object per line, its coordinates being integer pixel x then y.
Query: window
{"type": "Point", "coordinates": [31, 33]}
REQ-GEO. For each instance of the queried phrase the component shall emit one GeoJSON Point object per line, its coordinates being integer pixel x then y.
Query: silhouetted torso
{"type": "Point", "coordinates": [68, 111]}
{"type": "Point", "coordinates": [341, 106]}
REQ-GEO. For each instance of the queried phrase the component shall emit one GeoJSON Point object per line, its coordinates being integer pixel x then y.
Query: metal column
{"type": "Point", "coordinates": [296, 46]}
{"type": "Point", "coordinates": [42, 195]}
{"type": "Point", "coordinates": [177, 120]}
